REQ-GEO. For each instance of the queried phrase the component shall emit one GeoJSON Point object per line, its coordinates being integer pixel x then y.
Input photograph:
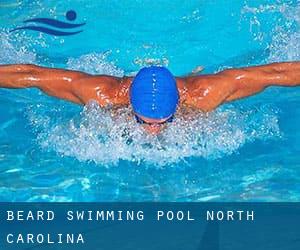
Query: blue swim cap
{"type": "Point", "coordinates": [154, 93]}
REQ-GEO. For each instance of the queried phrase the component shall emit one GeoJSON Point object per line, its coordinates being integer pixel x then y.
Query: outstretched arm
{"type": "Point", "coordinates": [70, 85]}
{"type": "Point", "coordinates": [252, 80]}
{"type": "Point", "coordinates": [209, 91]}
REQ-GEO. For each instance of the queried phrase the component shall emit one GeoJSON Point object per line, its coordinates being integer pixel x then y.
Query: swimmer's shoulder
{"type": "Point", "coordinates": [205, 92]}
{"type": "Point", "coordinates": [190, 86]}
{"type": "Point", "coordinates": [104, 89]}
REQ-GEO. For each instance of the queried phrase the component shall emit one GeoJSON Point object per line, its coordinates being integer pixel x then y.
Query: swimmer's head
{"type": "Point", "coordinates": [154, 95]}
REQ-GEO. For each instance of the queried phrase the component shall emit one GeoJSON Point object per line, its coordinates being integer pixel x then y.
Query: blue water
{"type": "Point", "coordinates": [248, 150]}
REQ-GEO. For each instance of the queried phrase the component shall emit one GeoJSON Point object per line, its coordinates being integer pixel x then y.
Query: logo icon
{"type": "Point", "coordinates": [57, 28]}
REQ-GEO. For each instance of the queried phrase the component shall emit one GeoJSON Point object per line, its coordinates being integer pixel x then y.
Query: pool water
{"type": "Point", "coordinates": [248, 150]}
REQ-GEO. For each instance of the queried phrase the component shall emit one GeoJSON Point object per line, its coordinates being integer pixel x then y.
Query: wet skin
{"type": "Point", "coordinates": [203, 92]}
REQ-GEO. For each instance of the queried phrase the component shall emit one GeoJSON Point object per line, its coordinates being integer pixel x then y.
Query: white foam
{"type": "Point", "coordinates": [106, 136]}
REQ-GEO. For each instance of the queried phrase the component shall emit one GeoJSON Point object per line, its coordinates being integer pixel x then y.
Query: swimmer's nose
{"type": "Point", "coordinates": [153, 129]}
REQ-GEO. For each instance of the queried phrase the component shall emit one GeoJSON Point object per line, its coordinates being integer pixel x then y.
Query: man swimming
{"type": "Point", "coordinates": [153, 93]}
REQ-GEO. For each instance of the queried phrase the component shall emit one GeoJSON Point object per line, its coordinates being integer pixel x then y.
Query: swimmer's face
{"type": "Point", "coordinates": [153, 126]}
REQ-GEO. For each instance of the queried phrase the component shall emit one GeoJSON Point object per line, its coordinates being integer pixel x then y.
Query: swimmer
{"type": "Point", "coordinates": [154, 93]}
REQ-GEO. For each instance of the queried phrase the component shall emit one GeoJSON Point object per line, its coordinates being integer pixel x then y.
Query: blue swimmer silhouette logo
{"type": "Point", "coordinates": [57, 28]}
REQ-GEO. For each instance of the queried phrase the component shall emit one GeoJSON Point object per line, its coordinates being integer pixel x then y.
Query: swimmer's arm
{"type": "Point", "coordinates": [54, 82]}
{"type": "Point", "coordinates": [255, 79]}
{"type": "Point", "coordinates": [74, 86]}
{"type": "Point", "coordinates": [207, 92]}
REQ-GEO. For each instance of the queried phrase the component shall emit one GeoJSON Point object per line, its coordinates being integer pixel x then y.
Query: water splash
{"type": "Point", "coordinates": [95, 63]}
{"type": "Point", "coordinates": [12, 51]}
{"type": "Point", "coordinates": [143, 62]}
{"type": "Point", "coordinates": [106, 136]}
{"type": "Point", "coordinates": [285, 45]}
{"type": "Point", "coordinates": [285, 36]}
{"type": "Point", "coordinates": [264, 8]}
